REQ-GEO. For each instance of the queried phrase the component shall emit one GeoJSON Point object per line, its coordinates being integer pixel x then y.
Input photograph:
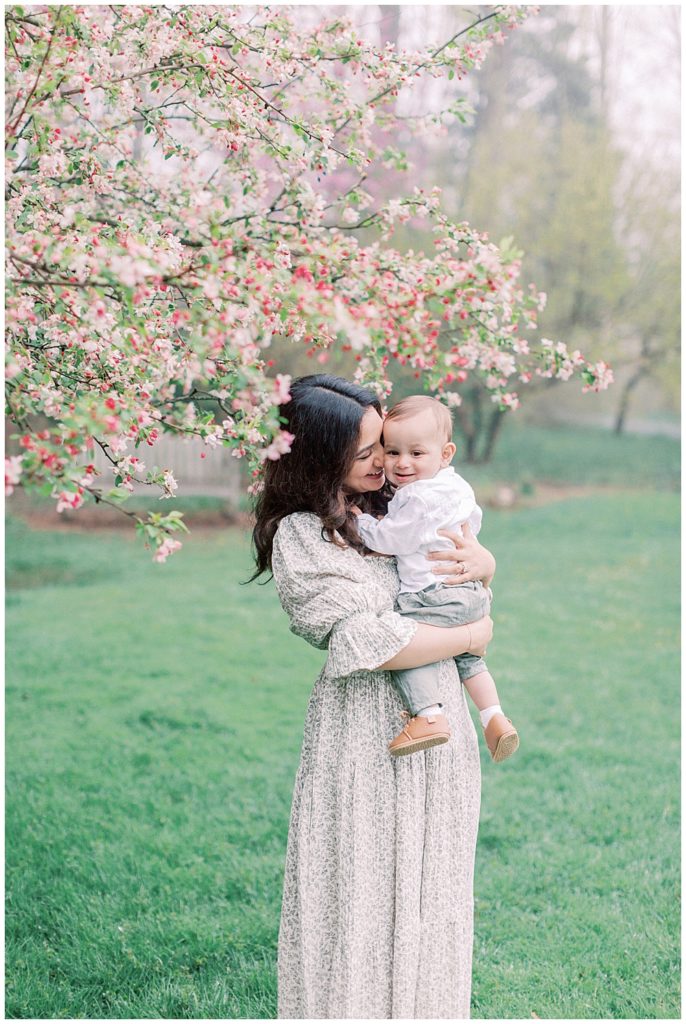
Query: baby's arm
{"type": "Point", "coordinates": [399, 532]}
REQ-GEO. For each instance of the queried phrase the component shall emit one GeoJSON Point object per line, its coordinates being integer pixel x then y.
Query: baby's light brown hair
{"type": "Point", "coordinates": [415, 404]}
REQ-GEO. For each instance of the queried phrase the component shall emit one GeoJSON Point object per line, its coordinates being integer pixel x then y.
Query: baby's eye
{"type": "Point", "coordinates": [417, 454]}
{"type": "Point", "coordinates": [390, 451]}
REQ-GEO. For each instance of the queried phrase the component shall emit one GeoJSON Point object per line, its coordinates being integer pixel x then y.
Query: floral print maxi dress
{"type": "Point", "coordinates": [376, 920]}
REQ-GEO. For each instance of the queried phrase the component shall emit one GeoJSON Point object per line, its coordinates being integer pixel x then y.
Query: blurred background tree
{"type": "Point", "coordinates": [599, 222]}
{"type": "Point", "coordinates": [572, 151]}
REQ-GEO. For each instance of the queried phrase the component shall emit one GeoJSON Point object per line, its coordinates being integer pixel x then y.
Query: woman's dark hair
{"type": "Point", "coordinates": [324, 415]}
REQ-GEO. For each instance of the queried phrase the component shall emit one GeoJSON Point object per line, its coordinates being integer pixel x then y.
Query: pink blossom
{"type": "Point", "coordinates": [214, 439]}
{"type": "Point", "coordinates": [69, 500]}
{"type": "Point", "coordinates": [283, 255]}
{"type": "Point", "coordinates": [144, 419]}
{"type": "Point", "coordinates": [281, 389]}
{"type": "Point", "coordinates": [88, 477]}
{"type": "Point", "coordinates": [281, 445]}
{"type": "Point", "coordinates": [599, 377]}
{"type": "Point", "coordinates": [166, 548]}
{"type": "Point", "coordinates": [510, 400]}
{"type": "Point", "coordinates": [53, 164]}
{"type": "Point", "coordinates": [12, 472]}
{"type": "Point", "coordinates": [173, 299]}
{"type": "Point", "coordinates": [169, 483]}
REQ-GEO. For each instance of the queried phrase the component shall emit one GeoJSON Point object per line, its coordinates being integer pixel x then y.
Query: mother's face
{"type": "Point", "coordinates": [366, 472]}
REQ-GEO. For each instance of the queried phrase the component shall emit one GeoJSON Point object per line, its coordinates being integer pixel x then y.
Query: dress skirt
{"type": "Point", "coordinates": [377, 910]}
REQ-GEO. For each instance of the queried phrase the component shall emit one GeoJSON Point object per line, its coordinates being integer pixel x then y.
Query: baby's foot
{"type": "Point", "coordinates": [501, 737]}
{"type": "Point", "coordinates": [419, 733]}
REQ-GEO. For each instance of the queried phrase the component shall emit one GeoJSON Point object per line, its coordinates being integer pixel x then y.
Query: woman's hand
{"type": "Point", "coordinates": [469, 561]}
{"type": "Point", "coordinates": [481, 633]}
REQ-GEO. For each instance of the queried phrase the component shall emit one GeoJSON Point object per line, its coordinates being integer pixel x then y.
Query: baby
{"type": "Point", "coordinates": [430, 496]}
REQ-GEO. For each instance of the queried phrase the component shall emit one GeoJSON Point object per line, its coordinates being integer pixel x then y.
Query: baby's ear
{"type": "Point", "coordinates": [449, 450]}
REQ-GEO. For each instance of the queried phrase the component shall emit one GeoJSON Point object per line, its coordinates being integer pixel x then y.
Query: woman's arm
{"type": "Point", "coordinates": [469, 561]}
{"type": "Point", "coordinates": [436, 643]}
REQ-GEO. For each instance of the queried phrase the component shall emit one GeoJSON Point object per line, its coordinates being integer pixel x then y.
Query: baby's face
{"type": "Point", "coordinates": [413, 449]}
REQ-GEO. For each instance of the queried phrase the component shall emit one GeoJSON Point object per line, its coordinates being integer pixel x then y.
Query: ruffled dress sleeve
{"type": "Point", "coordinates": [335, 600]}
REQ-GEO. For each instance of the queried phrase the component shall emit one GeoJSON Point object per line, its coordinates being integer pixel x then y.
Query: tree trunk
{"type": "Point", "coordinates": [625, 398]}
{"type": "Point", "coordinates": [389, 25]}
{"type": "Point", "coordinates": [647, 361]}
{"type": "Point", "coordinates": [474, 423]}
{"type": "Point", "coordinates": [468, 433]}
{"type": "Point", "coordinates": [493, 430]}
{"type": "Point", "coordinates": [605, 54]}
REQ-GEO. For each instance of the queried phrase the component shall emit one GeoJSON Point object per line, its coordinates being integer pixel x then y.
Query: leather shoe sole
{"type": "Point", "coordinates": [420, 744]}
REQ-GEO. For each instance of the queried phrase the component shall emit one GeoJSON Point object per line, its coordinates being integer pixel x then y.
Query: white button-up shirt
{"type": "Point", "coordinates": [409, 529]}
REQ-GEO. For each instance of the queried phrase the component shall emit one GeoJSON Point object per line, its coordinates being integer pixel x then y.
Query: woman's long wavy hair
{"type": "Point", "coordinates": [324, 415]}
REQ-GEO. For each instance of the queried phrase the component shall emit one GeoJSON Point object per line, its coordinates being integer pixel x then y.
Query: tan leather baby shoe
{"type": "Point", "coordinates": [419, 733]}
{"type": "Point", "coordinates": [501, 737]}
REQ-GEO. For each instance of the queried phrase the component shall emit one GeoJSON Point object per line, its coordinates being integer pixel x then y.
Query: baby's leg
{"type": "Point", "coordinates": [452, 606]}
{"type": "Point", "coordinates": [482, 689]}
{"type": "Point", "coordinates": [501, 736]}
{"type": "Point", "coordinates": [419, 689]}
{"type": "Point", "coordinates": [424, 726]}
{"type": "Point", "coordinates": [438, 606]}
{"type": "Point", "coordinates": [480, 685]}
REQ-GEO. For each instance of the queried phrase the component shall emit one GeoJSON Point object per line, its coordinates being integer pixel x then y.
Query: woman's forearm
{"type": "Point", "coordinates": [429, 644]}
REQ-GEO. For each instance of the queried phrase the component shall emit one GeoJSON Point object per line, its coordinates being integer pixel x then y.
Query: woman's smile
{"type": "Point", "coordinates": [367, 470]}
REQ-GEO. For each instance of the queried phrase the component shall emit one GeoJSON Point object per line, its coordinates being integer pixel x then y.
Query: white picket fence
{"type": "Point", "coordinates": [218, 473]}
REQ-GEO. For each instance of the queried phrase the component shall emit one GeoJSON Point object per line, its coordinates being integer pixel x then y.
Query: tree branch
{"type": "Point", "coordinates": [12, 128]}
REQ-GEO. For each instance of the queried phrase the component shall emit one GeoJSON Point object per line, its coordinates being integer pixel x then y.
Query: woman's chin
{"type": "Point", "coordinates": [374, 483]}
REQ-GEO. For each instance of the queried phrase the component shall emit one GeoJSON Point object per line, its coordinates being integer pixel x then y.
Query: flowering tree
{"type": "Point", "coordinates": [144, 288]}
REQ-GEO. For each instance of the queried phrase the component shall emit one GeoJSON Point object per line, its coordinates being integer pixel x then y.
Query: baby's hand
{"type": "Point", "coordinates": [358, 512]}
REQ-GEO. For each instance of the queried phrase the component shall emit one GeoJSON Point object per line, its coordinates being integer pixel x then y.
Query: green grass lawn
{"type": "Point", "coordinates": [153, 724]}
{"type": "Point", "coordinates": [527, 454]}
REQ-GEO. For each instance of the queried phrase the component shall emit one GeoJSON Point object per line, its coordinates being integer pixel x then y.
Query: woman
{"type": "Point", "coordinates": [376, 918]}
